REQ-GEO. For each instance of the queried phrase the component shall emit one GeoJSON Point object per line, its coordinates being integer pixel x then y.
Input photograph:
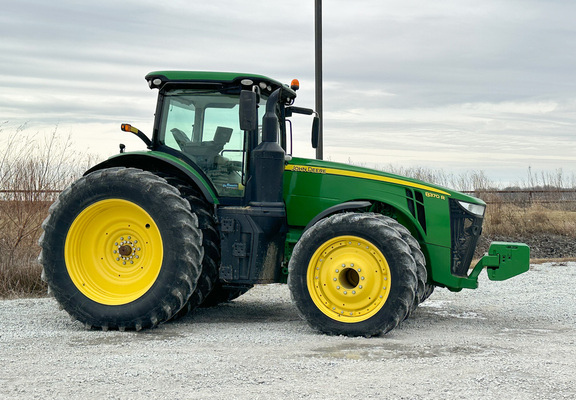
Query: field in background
{"type": "Point", "coordinates": [33, 170]}
{"type": "Point", "coordinates": [540, 211]}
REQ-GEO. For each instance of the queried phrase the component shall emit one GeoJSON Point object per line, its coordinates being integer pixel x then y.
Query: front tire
{"type": "Point", "coordinates": [353, 274]}
{"type": "Point", "coordinates": [121, 249]}
{"type": "Point", "coordinates": [420, 260]}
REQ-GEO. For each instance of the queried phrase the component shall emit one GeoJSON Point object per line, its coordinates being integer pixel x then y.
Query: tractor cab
{"type": "Point", "coordinates": [199, 118]}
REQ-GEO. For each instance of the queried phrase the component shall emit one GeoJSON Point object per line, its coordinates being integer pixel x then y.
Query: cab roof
{"type": "Point", "coordinates": [158, 79]}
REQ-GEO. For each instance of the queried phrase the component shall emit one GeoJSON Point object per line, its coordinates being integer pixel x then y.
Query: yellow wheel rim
{"type": "Point", "coordinates": [113, 252]}
{"type": "Point", "coordinates": [348, 279]}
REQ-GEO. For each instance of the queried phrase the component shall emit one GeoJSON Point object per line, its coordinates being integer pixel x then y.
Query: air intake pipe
{"type": "Point", "coordinates": [267, 161]}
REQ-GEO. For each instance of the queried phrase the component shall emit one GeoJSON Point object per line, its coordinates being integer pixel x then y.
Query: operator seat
{"type": "Point", "coordinates": [206, 153]}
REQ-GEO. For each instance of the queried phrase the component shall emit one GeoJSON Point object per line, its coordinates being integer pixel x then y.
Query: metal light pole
{"type": "Point", "coordinates": [318, 75]}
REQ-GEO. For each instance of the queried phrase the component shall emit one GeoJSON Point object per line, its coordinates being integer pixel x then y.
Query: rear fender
{"type": "Point", "coordinates": [154, 162]}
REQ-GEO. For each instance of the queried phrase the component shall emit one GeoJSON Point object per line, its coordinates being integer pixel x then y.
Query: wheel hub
{"type": "Point", "coordinates": [349, 277]}
{"type": "Point", "coordinates": [126, 249]}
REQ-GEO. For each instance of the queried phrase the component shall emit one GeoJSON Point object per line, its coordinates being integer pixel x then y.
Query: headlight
{"type": "Point", "coordinates": [475, 209]}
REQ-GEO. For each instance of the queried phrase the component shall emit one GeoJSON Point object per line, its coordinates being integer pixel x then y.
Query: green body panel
{"type": "Point", "coordinates": [438, 265]}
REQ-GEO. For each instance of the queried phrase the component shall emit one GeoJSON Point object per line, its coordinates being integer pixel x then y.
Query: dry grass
{"type": "Point", "coordinates": [21, 225]}
{"type": "Point", "coordinates": [31, 165]}
{"type": "Point", "coordinates": [510, 219]}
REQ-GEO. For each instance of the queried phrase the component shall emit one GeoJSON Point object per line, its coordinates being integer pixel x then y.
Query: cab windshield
{"type": "Point", "coordinates": [204, 125]}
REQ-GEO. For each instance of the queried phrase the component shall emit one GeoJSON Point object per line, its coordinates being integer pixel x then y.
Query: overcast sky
{"type": "Point", "coordinates": [455, 85]}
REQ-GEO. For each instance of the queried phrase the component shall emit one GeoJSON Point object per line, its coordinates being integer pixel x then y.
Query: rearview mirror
{"type": "Point", "coordinates": [248, 110]}
{"type": "Point", "coordinates": [298, 110]}
{"type": "Point", "coordinates": [315, 131]}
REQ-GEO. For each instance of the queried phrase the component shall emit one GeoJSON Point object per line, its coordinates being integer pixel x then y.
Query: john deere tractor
{"type": "Point", "coordinates": [219, 203]}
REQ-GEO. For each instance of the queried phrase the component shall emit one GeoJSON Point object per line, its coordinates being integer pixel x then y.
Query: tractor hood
{"type": "Point", "coordinates": [339, 169]}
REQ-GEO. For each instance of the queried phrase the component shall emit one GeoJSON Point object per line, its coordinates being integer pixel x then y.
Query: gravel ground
{"type": "Point", "coordinates": [506, 340]}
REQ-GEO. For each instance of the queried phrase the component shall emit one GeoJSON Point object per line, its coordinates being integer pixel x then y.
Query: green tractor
{"type": "Point", "coordinates": [218, 203]}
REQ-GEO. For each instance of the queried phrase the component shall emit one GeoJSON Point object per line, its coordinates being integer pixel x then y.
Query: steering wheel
{"type": "Point", "coordinates": [180, 137]}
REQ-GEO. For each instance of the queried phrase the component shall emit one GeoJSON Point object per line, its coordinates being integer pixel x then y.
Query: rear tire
{"type": "Point", "coordinates": [353, 274]}
{"type": "Point", "coordinates": [428, 292]}
{"type": "Point", "coordinates": [210, 291]}
{"type": "Point", "coordinates": [210, 242]}
{"type": "Point", "coordinates": [121, 249]}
